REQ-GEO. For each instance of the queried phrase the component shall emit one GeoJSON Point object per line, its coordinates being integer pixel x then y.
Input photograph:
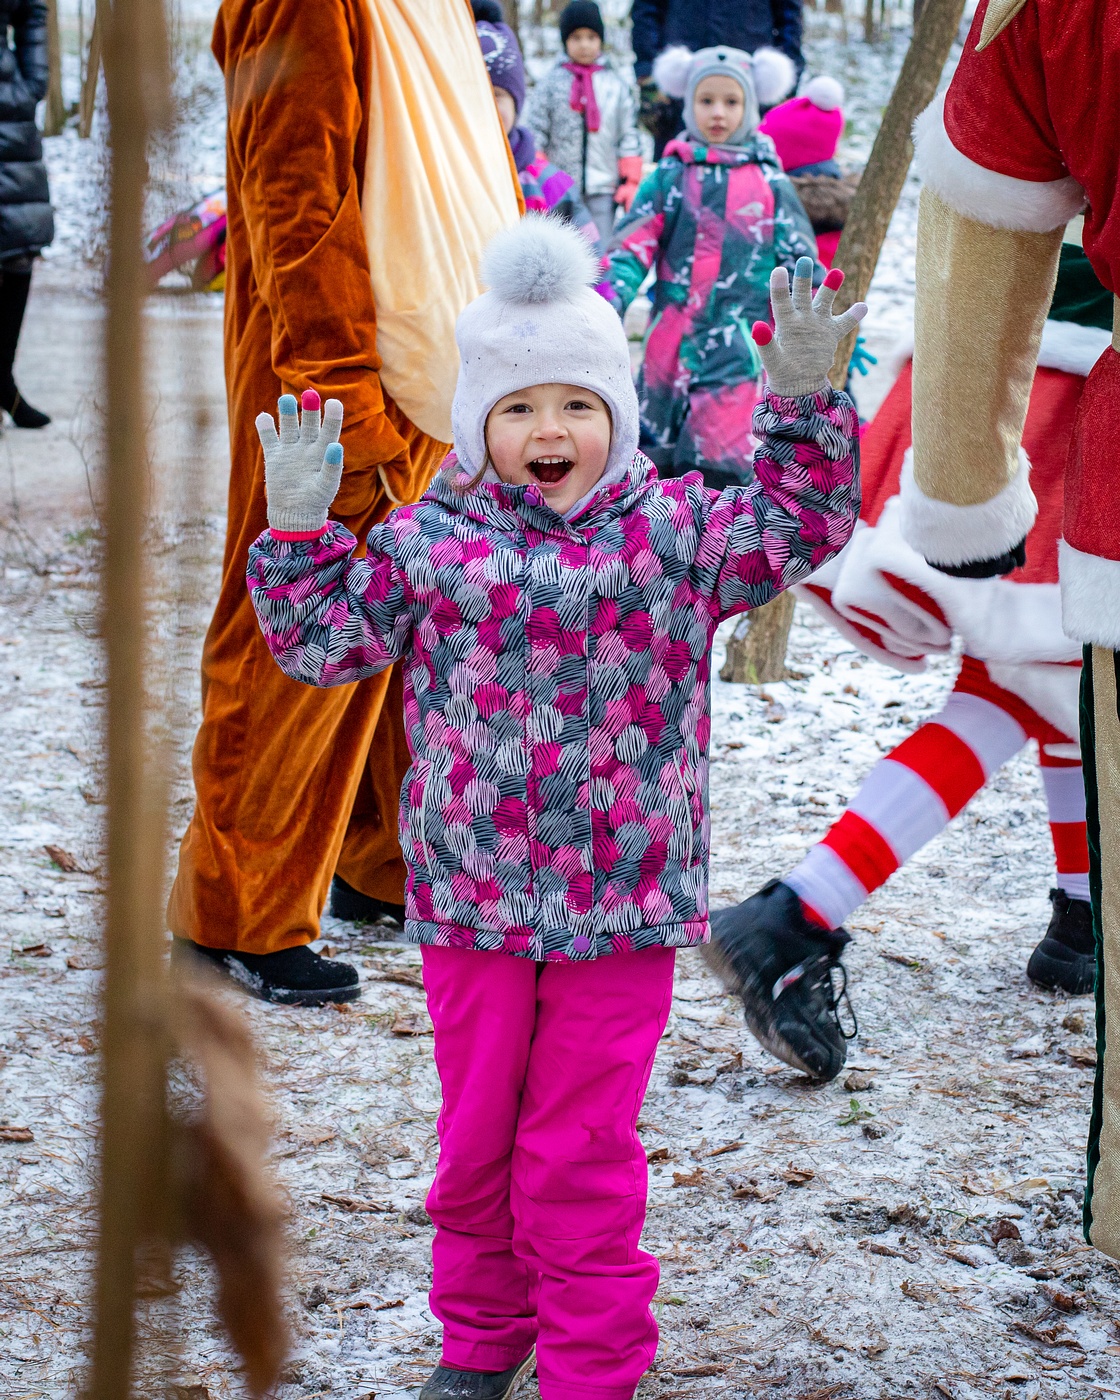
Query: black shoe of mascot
{"type": "Point", "coordinates": [358, 908]}
{"type": "Point", "coordinates": [292, 977]}
{"type": "Point", "coordinates": [785, 969]}
{"type": "Point", "coordinates": [1066, 959]}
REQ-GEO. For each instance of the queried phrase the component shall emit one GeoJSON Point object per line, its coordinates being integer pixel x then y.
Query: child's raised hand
{"type": "Point", "coordinates": [302, 463]}
{"type": "Point", "coordinates": [798, 353]}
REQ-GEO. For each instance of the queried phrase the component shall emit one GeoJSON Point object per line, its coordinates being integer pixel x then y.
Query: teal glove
{"type": "Point", "coordinates": [862, 358]}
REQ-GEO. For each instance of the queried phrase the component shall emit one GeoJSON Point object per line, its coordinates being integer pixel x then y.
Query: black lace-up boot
{"type": "Point", "coordinates": [786, 970]}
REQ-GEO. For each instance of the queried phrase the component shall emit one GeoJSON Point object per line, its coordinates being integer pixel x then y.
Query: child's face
{"type": "Point", "coordinates": [717, 108]}
{"type": "Point", "coordinates": [507, 108]}
{"type": "Point", "coordinates": [554, 436]}
{"type": "Point", "coordinates": [583, 46]}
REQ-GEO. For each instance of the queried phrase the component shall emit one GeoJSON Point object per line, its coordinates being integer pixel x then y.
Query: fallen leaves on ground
{"type": "Point", "coordinates": [409, 1025]}
{"type": "Point", "coordinates": [36, 950]}
{"type": "Point", "coordinates": [797, 1176]}
{"type": "Point", "coordinates": [354, 1204]}
{"type": "Point", "coordinates": [890, 1251]}
{"type": "Point", "coordinates": [1056, 1336]}
{"type": "Point", "coordinates": [64, 860]}
{"type": "Point", "coordinates": [692, 1178]}
{"type": "Point", "coordinates": [13, 1134]}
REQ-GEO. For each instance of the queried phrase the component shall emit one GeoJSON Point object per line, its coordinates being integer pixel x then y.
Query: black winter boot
{"type": "Point", "coordinates": [767, 952]}
{"type": "Point", "coordinates": [292, 977]}
{"type": "Point", "coordinates": [358, 908]}
{"type": "Point", "coordinates": [446, 1384]}
{"type": "Point", "coordinates": [14, 287]}
{"type": "Point", "coordinates": [1066, 959]}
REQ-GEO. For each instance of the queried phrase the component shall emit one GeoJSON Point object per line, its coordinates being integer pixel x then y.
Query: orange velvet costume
{"type": "Point", "coordinates": [291, 782]}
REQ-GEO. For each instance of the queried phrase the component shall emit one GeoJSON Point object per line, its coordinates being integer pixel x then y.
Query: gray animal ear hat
{"type": "Point", "coordinates": [541, 323]}
{"type": "Point", "coordinates": [765, 76]}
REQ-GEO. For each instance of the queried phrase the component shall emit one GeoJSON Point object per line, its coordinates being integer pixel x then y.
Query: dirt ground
{"type": "Point", "coordinates": [911, 1230]}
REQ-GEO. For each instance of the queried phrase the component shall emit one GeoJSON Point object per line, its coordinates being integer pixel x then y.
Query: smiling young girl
{"type": "Point", "coordinates": [554, 605]}
{"type": "Point", "coordinates": [716, 216]}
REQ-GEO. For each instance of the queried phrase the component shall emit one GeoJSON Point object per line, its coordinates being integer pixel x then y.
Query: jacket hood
{"type": "Point", "coordinates": [495, 503]}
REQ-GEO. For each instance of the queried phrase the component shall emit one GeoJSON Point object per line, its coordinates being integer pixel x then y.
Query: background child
{"type": "Point", "coordinates": [806, 133]}
{"type": "Point", "coordinates": [717, 215]}
{"type": "Point", "coordinates": [544, 185]}
{"type": "Point", "coordinates": [583, 114]}
{"type": "Point", "coordinates": [554, 604]}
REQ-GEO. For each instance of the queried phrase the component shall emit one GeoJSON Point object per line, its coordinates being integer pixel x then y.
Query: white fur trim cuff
{"type": "Point", "coordinates": [1090, 596]}
{"type": "Point", "coordinates": [944, 533]}
{"type": "Point", "coordinates": [1001, 201]}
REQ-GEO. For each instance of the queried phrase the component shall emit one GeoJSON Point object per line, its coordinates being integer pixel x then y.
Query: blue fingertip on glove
{"type": "Point", "coordinates": [804, 267]}
{"type": "Point", "coordinates": [333, 455]}
{"type": "Point", "coordinates": [287, 404]}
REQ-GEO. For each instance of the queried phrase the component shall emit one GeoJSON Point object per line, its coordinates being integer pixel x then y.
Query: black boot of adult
{"type": "Point", "coordinates": [14, 287]}
{"type": "Point", "coordinates": [786, 970]}
{"type": "Point", "coordinates": [1066, 959]}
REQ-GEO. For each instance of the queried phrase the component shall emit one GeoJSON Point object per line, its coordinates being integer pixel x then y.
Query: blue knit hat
{"type": "Point", "coordinates": [504, 63]}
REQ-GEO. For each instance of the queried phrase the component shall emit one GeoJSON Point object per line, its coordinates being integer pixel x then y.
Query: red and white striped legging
{"type": "Point", "coordinates": [917, 789]}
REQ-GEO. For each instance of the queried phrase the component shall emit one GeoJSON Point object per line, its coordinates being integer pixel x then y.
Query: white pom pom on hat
{"type": "Point", "coordinates": [537, 260]}
{"type": "Point", "coordinates": [824, 92]}
{"type": "Point", "coordinates": [541, 322]}
{"type": "Point", "coordinates": [774, 75]}
{"type": "Point", "coordinates": [670, 70]}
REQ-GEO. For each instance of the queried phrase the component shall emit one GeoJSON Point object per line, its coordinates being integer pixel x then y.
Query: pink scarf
{"type": "Point", "coordinates": [583, 92]}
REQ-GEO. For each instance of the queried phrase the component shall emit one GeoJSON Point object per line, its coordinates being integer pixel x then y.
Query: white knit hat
{"type": "Point", "coordinates": [540, 323]}
{"type": "Point", "coordinates": [765, 77]}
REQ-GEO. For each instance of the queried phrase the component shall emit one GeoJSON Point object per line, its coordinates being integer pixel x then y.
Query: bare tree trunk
{"type": "Point", "coordinates": [55, 117]}
{"type": "Point", "coordinates": [881, 185]}
{"type": "Point", "coordinates": [134, 1038]}
{"type": "Point", "coordinates": [868, 21]}
{"type": "Point", "coordinates": [89, 81]}
{"type": "Point", "coordinates": [512, 11]}
{"type": "Point", "coordinates": [756, 652]}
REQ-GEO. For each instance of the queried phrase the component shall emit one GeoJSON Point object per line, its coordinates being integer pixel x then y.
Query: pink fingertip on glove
{"type": "Point", "coordinates": [762, 333]}
{"type": "Point", "coordinates": [834, 279]}
{"type": "Point", "coordinates": [310, 400]}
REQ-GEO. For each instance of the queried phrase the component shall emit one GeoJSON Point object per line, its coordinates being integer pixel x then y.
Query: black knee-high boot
{"type": "Point", "coordinates": [14, 287]}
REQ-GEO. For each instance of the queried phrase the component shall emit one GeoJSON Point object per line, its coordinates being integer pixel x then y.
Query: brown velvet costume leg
{"type": "Point", "coordinates": [278, 766]}
{"type": "Point", "coordinates": [371, 860]}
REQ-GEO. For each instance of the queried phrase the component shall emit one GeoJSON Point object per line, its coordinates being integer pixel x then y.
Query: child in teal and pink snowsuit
{"type": "Point", "coordinates": [716, 215]}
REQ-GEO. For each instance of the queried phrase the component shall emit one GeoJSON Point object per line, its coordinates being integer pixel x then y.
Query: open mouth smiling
{"type": "Point", "coordinates": [550, 471]}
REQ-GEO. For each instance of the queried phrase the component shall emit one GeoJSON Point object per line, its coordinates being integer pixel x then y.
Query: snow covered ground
{"type": "Point", "coordinates": [851, 1240]}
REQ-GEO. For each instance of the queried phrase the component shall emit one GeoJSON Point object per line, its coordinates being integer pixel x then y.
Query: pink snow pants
{"type": "Point", "coordinates": [540, 1192]}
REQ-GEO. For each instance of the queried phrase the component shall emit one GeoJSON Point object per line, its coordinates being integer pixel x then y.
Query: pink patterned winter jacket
{"type": "Point", "coordinates": [557, 681]}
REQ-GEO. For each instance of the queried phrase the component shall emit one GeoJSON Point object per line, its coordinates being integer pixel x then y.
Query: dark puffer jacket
{"type": "Point", "coordinates": [740, 24]}
{"type": "Point", "coordinates": [26, 220]}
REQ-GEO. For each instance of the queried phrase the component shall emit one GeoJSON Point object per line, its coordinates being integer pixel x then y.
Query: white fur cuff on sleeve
{"type": "Point", "coordinates": [1090, 596]}
{"type": "Point", "coordinates": [945, 533]}
{"type": "Point", "coordinates": [1001, 201]}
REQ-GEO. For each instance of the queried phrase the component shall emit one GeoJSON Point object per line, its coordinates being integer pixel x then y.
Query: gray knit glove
{"type": "Point", "coordinates": [302, 464]}
{"type": "Point", "coordinates": [798, 353]}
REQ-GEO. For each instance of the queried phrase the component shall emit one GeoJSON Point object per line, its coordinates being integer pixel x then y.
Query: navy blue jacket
{"type": "Point", "coordinates": [741, 24]}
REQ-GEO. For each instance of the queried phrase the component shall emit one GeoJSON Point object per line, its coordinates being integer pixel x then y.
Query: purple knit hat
{"type": "Point", "coordinates": [502, 56]}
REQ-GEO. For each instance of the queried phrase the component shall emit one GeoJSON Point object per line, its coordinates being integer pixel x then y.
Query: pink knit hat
{"type": "Point", "coordinates": [807, 129]}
